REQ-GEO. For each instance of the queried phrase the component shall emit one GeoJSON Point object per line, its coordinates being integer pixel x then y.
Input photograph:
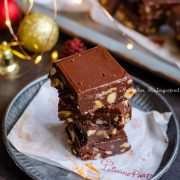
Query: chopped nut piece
{"type": "Point", "coordinates": [65, 124]}
{"type": "Point", "coordinates": [108, 152]}
{"type": "Point", "coordinates": [72, 97]}
{"type": "Point", "coordinates": [61, 85]}
{"type": "Point", "coordinates": [125, 103]}
{"type": "Point", "coordinates": [130, 81]}
{"type": "Point", "coordinates": [129, 93]}
{"type": "Point", "coordinates": [127, 115]}
{"type": "Point", "coordinates": [91, 132]}
{"type": "Point", "coordinates": [123, 120]}
{"type": "Point", "coordinates": [55, 82]}
{"type": "Point", "coordinates": [104, 93]}
{"type": "Point", "coordinates": [74, 151]}
{"type": "Point", "coordinates": [70, 120]}
{"type": "Point", "coordinates": [98, 104]}
{"type": "Point", "coordinates": [120, 16]}
{"type": "Point", "coordinates": [72, 135]}
{"type": "Point", "coordinates": [63, 80]}
{"type": "Point", "coordinates": [53, 71]}
{"type": "Point", "coordinates": [99, 121]}
{"type": "Point", "coordinates": [111, 98]}
{"type": "Point", "coordinates": [114, 131]}
{"type": "Point", "coordinates": [127, 120]}
{"type": "Point", "coordinates": [129, 24]}
{"type": "Point", "coordinates": [95, 149]}
{"type": "Point", "coordinates": [124, 145]}
{"type": "Point", "coordinates": [97, 156]}
{"type": "Point", "coordinates": [102, 133]}
{"type": "Point", "coordinates": [65, 113]}
{"type": "Point", "coordinates": [147, 9]}
{"type": "Point", "coordinates": [69, 141]}
{"type": "Point", "coordinates": [116, 118]}
{"type": "Point", "coordinates": [112, 146]}
{"type": "Point", "coordinates": [123, 150]}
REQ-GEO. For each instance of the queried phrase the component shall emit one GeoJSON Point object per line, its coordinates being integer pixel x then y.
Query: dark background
{"type": "Point", "coordinates": [29, 72]}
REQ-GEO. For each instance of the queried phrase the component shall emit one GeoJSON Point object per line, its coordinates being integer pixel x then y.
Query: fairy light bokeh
{"type": "Point", "coordinates": [54, 55]}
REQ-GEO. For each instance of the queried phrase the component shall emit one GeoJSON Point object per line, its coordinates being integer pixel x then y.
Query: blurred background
{"type": "Point", "coordinates": [143, 35]}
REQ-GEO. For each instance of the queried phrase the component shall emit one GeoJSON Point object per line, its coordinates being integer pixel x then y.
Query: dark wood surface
{"type": "Point", "coordinates": [29, 72]}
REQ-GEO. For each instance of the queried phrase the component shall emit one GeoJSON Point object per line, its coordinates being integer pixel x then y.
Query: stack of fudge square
{"type": "Point", "coordinates": [93, 102]}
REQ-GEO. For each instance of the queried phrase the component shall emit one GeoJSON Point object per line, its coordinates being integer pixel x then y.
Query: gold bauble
{"type": "Point", "coordinates": [38, 32]}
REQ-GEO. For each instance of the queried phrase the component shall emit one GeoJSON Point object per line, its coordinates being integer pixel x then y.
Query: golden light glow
{"type": "Point", "coordinates": [38, 59]}
{"type": "Point", "coordinates": [31, 2]}
{"type": "Point", "coordinates": [12, 68]}
{"type": "Point", "coordinates": [35, 46]}
{"type": "Point", "coordinates": [8, 23]}
{"type": "Point", "coordinates": [130, 46]}
{"type": "Point", "coordinates": [14, 43]}
{"type": "Point", "coordinates": [54, 55]}
{"type": "Point", "coordinates": [78, 1]}
{"type": "Point", "coordinates": [1, 56]}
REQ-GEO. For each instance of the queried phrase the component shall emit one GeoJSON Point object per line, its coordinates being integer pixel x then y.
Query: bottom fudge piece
{"type": "Point", "coordinates": [90, 149]}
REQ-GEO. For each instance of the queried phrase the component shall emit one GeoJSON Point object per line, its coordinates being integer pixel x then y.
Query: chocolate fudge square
{"type": "Point", "coordinates": [88, 148]}
{"type": "Point", "coordinates": [125, 15]}
{"type": "Point", "coordinates": [118, 116]}
{"type": "Point", "coordinates": [93, 79]}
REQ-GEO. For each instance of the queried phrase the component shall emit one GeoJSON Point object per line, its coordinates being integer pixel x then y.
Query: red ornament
{"type": "Point", "coordinates": [14, 12]}
{"type": "Point", "coordinates": [72, 47]}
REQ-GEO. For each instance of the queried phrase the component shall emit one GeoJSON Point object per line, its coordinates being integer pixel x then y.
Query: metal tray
{"type": "Point", "coordinates": [80, 24]}
{"type": "Point", "coordinates": [37, 170]}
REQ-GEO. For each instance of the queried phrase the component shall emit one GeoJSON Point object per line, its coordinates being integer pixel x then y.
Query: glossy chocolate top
{"type": "Point", "coordinates": [91, 69]}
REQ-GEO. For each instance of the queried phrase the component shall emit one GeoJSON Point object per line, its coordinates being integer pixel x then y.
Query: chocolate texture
{"type": "Point", "coordinates": [93, 102]}
{"type": "Point", "coordinates": [93, 79]}
{"type": "Point", "coordinates": [92, 149]}
{"type": "Point", "coordinates": [119, 115]}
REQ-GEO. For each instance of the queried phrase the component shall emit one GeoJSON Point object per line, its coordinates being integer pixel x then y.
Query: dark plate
{"type": "Point", "coordinates": [145, 101]}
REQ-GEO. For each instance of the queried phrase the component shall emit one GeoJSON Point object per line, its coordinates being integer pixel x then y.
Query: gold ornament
{"type": "Point", "coordinates": [8, 65]}
{"type": "Point", "coordinates": [38, 32]}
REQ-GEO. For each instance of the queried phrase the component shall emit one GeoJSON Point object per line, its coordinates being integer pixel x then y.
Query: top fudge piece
{"type": "Point", "coordinates": [93, 79]}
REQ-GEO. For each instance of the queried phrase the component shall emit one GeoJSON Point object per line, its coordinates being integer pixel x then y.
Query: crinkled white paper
{"type": "Point", "coordinates": [39, 134]}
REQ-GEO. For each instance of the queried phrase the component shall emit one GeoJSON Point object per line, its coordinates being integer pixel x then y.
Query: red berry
{"type": "Point", "coordinates": [72, 47]}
